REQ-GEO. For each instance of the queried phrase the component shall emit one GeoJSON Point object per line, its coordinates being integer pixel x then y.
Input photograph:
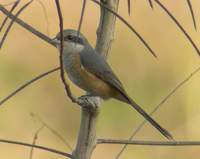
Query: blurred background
{"type": "Point", "coordinates": [146, 79]}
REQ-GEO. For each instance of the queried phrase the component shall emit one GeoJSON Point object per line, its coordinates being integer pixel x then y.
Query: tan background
{"type": "Point", "coordinates": [146, 79]}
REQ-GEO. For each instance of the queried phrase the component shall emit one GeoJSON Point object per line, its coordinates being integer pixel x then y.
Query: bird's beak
{"type": "Point", "coordinates": [55, 41]}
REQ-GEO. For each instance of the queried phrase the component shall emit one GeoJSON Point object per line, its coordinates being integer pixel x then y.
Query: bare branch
{"type": "Point", "coordinates": [128, 25]}
{"type": "Point", "coordinates": [129, 7]}
{"type": "Point", "coordinates": [37, 147]}
{"type": "Point", "coordinates": [52, 130]}
{"type": "Point", "coordinates": [10, 3]}
{"type": "Point", "coordinates": [45, 15]}
{"type": "Point", "coordinates": [192, 14]}
{"type": "Point", "coordinates": [27, 84]}
{"type": "Point", "coordinates": [35, 140]}
{"type": "Point", "coordinates": [62, 75]}
{"type": "Point", "coordinates": [82, 15]}
{"type": "Point", "coordinates": [11, 10]}
{"type": "Point", "coordinates": [47, 39]}
{"type": "Point", "coordinates": [157, 107]}
{"type": "Point", "coordinates": [151, 3]}
{"type": "Point", "coordinates": [12, 22]}
{"type": "Point", "coordinates": [179, 25]}
{"type": "Point", "coordinates": [149, 143]}
{"type": "Point", "coordinates": [27, 26]}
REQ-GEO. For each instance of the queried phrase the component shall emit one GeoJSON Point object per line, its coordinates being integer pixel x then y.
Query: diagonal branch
{"type": "Point", "coordinates": [48, 40]}
{"type": "Point", "coordinates": [34, 141]}
{"type": "Point", "coordinates": [27, 84]}
{"type": "Point", "coordinates": [12, 22]}
{"type": "Point", "coordinates": [11, 10]}
{"type": "Point", "coordinates": [151, 3]}
{"type": "Point", "coordinates": [128, 25]}
{"type": "Point", "coordinates": [149, 143]}
{"type": "Point", "coordinates": [179, 25]}
{"type": "Point", "coordinates": [37, 147]}
{"type": "Point", "coordinates": [27, 26]}
{"type": "Point", "coordinates": [157, 107]}
{"type": "Point", "coordinates": [45, 15]}
{"type": "Point", "coordinates": [192, 13]}
{"type": "Point", "coordinates": [53, 131]}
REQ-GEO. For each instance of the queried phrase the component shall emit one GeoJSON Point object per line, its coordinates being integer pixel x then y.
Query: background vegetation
{"type": "Point", "coordinates": [148, 80]}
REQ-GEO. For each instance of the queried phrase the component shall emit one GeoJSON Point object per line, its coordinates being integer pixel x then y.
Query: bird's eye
{"type": "Point", "coordinates": [70, 37]}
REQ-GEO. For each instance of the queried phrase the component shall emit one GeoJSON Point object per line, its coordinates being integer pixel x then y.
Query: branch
{"type": "Point", "coordinates": [127, 24]}
{"type": "Point", "coordinates": [82, 15]}
{"type": "Point", "coordinates": [53, 131]}
{"type": "Point", "coordinates": [11, 10]}
{"type": "Point", "coordinates": [10, 3]}
{"type": "Point", "coordinates": [62, 74]}
{"type": "Point", "coordinates": [157, 107]}
{"type": "Point", "coordinates": [192, 14]}
{"type": "Point", "coordinates": [149, 143]}
{"type": "Point", "coordinates": [12, 22]}
{"type": "Point", "coordinates": [129, 7]}
{"type": "Point", "coordinates": [27, 26]}
{"type": "Point", "coordinates": [179, 25]}
{"type": "Point", "coordinates": [27, 84]}
{"type": "Point", "coordinates": [49, 40]}
{"type": "Point", "coordinates": [35, 140]}
{"type": "Point", "coordinates": [151, 3]}
{"type": "Point", "coordinates": [37, 147]}
{"type": "Point", "coordinates": [45, 16]}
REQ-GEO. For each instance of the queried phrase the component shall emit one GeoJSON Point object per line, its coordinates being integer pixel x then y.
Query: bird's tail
{"type": "Point", "coordinates": [150, 119]}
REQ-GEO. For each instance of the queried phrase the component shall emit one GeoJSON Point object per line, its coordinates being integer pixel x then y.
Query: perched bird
{"type": "Point", "coordinates": [90, 72]}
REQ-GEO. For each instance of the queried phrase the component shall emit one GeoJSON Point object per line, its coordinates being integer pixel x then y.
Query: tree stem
{"type": "Point", "coordinates": [87, 133]}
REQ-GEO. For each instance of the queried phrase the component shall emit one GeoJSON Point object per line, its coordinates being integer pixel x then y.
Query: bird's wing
{"type": "Point", "coordinates": [97, 65]}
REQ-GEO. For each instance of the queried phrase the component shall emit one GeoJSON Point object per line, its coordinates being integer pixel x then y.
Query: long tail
{"type": "Point", "coordinates": [150, 119]}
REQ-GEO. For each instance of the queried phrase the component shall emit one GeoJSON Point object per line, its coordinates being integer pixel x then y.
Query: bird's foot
{"type": "Point", "coordinates": [90, 102]}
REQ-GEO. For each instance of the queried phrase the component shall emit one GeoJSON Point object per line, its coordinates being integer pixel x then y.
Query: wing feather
{"type": "Point", "coordinates": [97, 65]}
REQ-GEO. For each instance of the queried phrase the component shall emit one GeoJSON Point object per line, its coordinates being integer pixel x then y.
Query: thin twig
{"type": "Point", "coordinates": [192, 14]}
{"type": "Point", "coordinates": [151, 3]}
{"type": "Point", "coordinates": [179, 25]}
{"type": "Point", "coordinates": [37, 147]}
{"type": "Point", "coordinates": [12, 22]}
{"type": "Point", "coordinates": [52, 130]}
{"type": "Point", "coordinates": [27, 26]}
{"type": "Point", "coordinates": [129, 7]}
{"type": "Point", "coordinates": [35, 140]}
{"type": "Point", "coordinates": [149, 143]}
{"type": "Point", "coordinates": [45, 15]}
{"type": "Point", "coordinates": [11, 10]}
{"type": "Point", "coordinates": [66, 85]}
{"type": "Point", "coordinates": [82, 15]}
{"type": "Point", "coordinates": [157, 107]}
{"type": "Point", "coordinates": [10, 3]}
{"type": "Point", "coordinates": [128, 25]}
{"type": "Point", "coordinates": [27, 84]}
{"type": "Point", "coordinates": [47, 39]}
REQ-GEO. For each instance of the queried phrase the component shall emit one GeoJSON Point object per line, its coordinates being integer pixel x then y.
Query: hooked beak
{"type": "Point", "coordinates": [55, 41]}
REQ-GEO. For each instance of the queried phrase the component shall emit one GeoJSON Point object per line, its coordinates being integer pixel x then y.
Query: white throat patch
{"type": "Point", "coordinates": [71, 47]}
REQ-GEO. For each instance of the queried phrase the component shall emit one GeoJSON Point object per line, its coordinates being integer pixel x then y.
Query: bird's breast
{"type": "Point", "coordinates": [84, 79]}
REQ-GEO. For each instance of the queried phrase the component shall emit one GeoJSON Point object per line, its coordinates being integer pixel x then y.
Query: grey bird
{"type": "Point", "coordinates": [90, 72]}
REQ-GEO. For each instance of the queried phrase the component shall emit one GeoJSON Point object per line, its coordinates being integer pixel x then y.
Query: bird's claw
{"type": "Point", "coordinates": [90, 102]}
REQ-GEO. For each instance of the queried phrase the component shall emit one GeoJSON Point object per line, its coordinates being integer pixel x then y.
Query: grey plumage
{"type": "Point", "coordinates": [91, 72]}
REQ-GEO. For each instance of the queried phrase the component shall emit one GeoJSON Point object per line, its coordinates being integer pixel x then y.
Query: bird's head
{"type": "Point", "coordinates": [72, 41]}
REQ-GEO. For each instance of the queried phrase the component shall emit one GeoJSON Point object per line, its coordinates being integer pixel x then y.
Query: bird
{"type": "Point", "coordinates": [87, 69]}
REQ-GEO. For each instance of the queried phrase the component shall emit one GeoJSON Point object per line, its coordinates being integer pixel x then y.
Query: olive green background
{"type": "Point", "coordinates": [146, 79]}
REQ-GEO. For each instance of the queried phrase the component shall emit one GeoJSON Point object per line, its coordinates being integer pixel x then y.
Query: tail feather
{"type": "Point", "coordinates": [163, 131]}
